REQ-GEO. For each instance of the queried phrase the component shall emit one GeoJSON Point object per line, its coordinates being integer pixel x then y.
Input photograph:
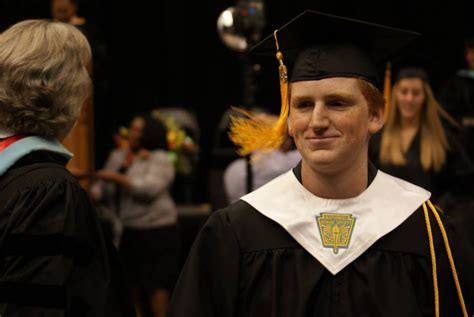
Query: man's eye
{"type": "Point", "coordinates": [304, 104]}
{"type": "Point", "coordinates": [336, 103]}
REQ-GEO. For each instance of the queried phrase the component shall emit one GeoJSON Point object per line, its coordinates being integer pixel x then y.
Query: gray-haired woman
{"type": "Point", "coordinates": [54, 258]}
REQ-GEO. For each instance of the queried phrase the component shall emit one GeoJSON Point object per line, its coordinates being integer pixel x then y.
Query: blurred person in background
{"type": "Point", "coordinates": [95, 113]}
{"type": "Point", "coordinates": [66, 11]}
{"type": "Point", "coordinates": [55, 258]}
{"type": "Point", "coordinates": [457, 96]}
{"type": "Point", "coordinates": [135, 182]}
{"type": "Point", "coordinates": [261, 167]}
{"type": "Point", "coordinates": [415, 145]}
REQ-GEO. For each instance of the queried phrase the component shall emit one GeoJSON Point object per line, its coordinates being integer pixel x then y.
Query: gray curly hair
{"type": "Point", "coordinates": [43, 77]}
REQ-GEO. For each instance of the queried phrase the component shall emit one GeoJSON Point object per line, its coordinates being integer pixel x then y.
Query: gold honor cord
{"type": "Point", "coordinates": [433, 259]}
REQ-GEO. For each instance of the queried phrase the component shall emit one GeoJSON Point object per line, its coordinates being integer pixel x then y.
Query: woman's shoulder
{"type": "Point", "coordinates": [160, 156]}
{"type": "Point", "coordinates": [37, 173]}
{"type": "Point", "coordinates": [118, 152]}
{"type": "Point", "coordinates": [42, 188]}
{"type": "Point", "coordinates": [451, 132]}
{"type": "Point", "coordinates": [457, 150]}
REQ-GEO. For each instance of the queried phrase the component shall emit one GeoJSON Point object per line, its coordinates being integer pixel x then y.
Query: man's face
{"type": "Point", "coordinates": [330, 122]}
{"type": "Point", "coordinates": [62, 10]}
{"type": "Point", "coordinates": [470, 57]}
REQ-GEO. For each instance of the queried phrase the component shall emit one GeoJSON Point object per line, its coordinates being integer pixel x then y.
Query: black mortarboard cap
{"type": "Point", "coordinates": [320, 45]}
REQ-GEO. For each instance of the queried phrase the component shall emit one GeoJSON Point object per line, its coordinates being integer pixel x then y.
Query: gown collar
{"type": "Point", "coordinates": [15, 151]}
{"type": "Point", "coordinates": [337, 231]}
{"type": "Point", "coordinates": [372, 172]}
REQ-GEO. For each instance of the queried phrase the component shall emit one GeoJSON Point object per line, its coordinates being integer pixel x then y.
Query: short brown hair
{"type": "Point", "coordinates": [372, 94]}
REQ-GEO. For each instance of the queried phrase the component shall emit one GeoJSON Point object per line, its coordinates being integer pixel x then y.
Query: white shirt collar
{"type": "Point", "coordinates": [383, 206]}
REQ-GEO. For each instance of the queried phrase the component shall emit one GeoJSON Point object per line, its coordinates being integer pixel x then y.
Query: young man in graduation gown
{"type": "Point", "coordinates": [334, 236]}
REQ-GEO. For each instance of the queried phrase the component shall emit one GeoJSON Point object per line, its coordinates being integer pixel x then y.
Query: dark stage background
{"type": "Point", "coordinates": [168, 53]}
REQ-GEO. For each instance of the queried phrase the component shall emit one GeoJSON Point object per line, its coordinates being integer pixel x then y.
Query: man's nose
{"type": "Point", "coordinates": [319, 117]}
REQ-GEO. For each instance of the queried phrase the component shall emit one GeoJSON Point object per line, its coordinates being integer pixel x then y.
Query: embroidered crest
{"type": "Point", "coordinates": [335, 230]}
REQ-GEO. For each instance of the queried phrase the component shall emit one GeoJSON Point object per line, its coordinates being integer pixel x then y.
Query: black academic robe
{"type": "Point", "coordinates": [457, 98]}
{"type": "Point", "coordinates": [54, 257]}
{"type": "Point", "coordinates": [454, 179]}
{"type": "Point", "coordinates": [244, 264]}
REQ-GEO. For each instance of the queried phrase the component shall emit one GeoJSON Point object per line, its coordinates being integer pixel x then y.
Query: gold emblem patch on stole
{"type": "Point", "coordinates": [335, 230]}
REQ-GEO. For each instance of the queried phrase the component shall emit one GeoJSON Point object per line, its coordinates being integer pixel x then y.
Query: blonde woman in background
{"type": "Point", "coordinates": [414, 144]}
{"type": "Point", "coordinates": [135, 183]}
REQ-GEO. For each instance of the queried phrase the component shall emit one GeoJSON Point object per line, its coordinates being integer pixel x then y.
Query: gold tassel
{"type": "Point", "coordinates": [387, 89]}
{"type": "Point", "coordinates": [251, 132]}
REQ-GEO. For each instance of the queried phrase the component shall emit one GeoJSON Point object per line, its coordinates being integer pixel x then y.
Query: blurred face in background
{"type": "Point", "coordinates": [62, 10]}
{"type": "Point", "coordinates": [135, 133]}
{"type": "Point", "coordinates": [410, 97]}
{"type": "Point", "coordinates": [470, 57]}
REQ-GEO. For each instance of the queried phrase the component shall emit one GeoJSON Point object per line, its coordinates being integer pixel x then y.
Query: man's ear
{"type": "Point", "coordinates": [376, 119]}
{"type": "Point", "coordinates": [290, 130]}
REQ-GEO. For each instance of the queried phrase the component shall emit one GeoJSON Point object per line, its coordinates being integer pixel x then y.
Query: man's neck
{"type": "Point", "coordinates": [343, 184]}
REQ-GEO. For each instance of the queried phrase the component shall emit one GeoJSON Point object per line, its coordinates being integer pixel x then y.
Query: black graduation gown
{"type": "Point", "coordinates": [55, 259]}
{"type": "Point", "coordinates": [457, 98]}
{"type": "Point", "coordinates": [244, 264]}
{"type": "Point", "coordinates": [455, 177]}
